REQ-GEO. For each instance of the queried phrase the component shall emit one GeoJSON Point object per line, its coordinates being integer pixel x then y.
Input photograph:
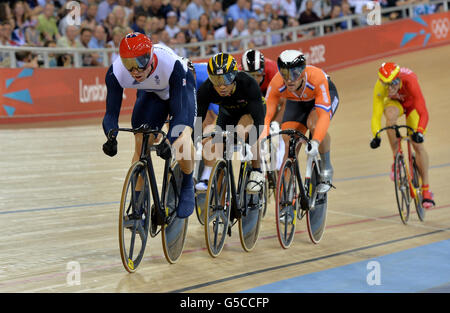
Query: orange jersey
{"type": "Point", "coordinates": [315, 88]}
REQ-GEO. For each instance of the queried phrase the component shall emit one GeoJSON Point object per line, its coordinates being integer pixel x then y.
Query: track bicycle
{"type": "Point", "coordinates": [296, 197]}
{"type": "Point", "coordinates": [407, 180]}
{"type": "Point", "coordinates": [228, 203]}
{"type": "Point", "coordinates": [137, 216]}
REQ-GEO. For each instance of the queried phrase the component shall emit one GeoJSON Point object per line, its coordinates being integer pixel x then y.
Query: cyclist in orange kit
{"type": "Point", "coordinates": [312, 100]}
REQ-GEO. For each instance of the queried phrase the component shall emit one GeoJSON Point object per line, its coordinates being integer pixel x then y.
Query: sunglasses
{"type": "Point", "coordinates": [225, 79]}
{"type": "Point", "coordinates": [393, 83]}
{"type": "Point", "coordinates": [292, 74]}
{"type": "Point", "coordinates": [138, 63]}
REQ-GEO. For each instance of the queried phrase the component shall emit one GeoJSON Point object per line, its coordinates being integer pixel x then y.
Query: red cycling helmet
{"type": "Point", "coordinates": [388, 72]}
{"type": "Point", "coordinates": [136, 51]}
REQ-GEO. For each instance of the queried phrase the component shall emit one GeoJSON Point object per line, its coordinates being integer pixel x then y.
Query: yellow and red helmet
{"type": "Point", "coordinates": [136, 51]}
{"type": "Point", "coordinates": [388, 72]}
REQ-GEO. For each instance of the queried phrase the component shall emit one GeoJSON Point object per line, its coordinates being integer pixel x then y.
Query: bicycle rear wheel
{"type": "Point", "coordinates": [174, 230]}
{"type": "Point", "coordinates": [252, 207]}
{"type": "Point", "coordinates": [286, 203]}
{"type": "Point", "coordinates": [134, 216]}
{"type": "Point", "coordinates": [217, 209]}
{"type": "Point", "coordinates": [401, 188]}
{"type": "Point", "coordinates": [316, 216]}
{"type": "Point", "coordinates": [417, 183]}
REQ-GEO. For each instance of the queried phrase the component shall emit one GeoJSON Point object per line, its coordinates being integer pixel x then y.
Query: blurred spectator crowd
{"type": "Point", "coordinates": [103, 23]}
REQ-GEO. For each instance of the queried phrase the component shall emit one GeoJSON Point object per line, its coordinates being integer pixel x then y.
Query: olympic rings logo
{"type": "Point", "coordinates": [440, 28]}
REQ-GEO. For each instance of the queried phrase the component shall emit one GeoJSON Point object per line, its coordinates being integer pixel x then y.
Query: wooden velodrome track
{"type": "Point", "coordinates": [59, 198]}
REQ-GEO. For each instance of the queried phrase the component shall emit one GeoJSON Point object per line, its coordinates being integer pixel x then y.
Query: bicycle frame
{"type": "Point", "coordinates": [147, 160]}
{"type": "Point", "coordinates": [409, 164]}
{"type": "Point", "coordinates": [292, 154]}
{"type": "Point", "coordinates": [227, 156]}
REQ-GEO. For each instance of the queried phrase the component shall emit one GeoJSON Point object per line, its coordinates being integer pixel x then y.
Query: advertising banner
{"type": "Point", "coordinates": [37, 95]}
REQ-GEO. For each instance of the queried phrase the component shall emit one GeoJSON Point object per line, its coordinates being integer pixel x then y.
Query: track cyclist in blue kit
{"type": "Point", "coordinates": [165, 86]}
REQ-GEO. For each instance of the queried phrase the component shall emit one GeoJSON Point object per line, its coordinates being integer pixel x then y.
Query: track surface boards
{"type": "Point", "coordinates": [59, 199]}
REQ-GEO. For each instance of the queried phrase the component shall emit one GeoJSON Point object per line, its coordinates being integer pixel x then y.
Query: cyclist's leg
{"type": "Point", "coordinates": [422, 159]}
{"type": "Point", "coordinates": [392, 111]}
{"type": "Point", "coordinates": [279, 143]}
{"type": "Point", "coordinates": [246, 129]}
{"type": "Point", "coordinates": [212, 147]}
{"type": "Point", "coordinates": [209, 122]}
{"type": "Point", "coordinates": [295, 117]}
{"type": "Point", "coordinates": [146, 111]}
{"type": "Point", "coordinates": [208, 126]}
{"type": "Point", "coordinates": [180, 136]}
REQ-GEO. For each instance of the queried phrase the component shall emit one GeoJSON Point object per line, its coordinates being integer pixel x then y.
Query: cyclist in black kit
{"type": "Point", "coordinates": [240, 103]}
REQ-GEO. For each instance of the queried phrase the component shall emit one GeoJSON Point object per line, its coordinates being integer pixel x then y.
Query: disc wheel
{"type": "Point", "coordinates": [174, 229]}
{"type": "Point", "coordinates": [252, 208]}
{"type": "Point", "coordinates": [316, 216]}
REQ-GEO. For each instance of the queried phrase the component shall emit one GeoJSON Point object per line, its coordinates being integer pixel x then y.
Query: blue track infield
{"type": "Point", "coordinates": [421, 269]}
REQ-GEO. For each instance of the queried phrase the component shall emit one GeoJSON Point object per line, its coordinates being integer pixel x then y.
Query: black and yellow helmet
{"type": "Point", "coordinates": [222, 69]}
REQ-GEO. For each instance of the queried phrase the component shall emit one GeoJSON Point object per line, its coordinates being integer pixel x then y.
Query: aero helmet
{"type": "Point", "coordinates": [291, 64]}
{"type": "Point", "coordinates": [222, 69]}
{"type": "Point", "coordinates": [388, 72]}
{"type": "Point", "coordinates": [252, 61]}
{"type": "Point", "coordinates": [136, 51]}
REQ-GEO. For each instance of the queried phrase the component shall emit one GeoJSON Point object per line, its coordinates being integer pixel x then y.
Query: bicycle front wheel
{"type": "Point", "coordinates": [286, 204]}
{"type": "Point", "coordinates": [134, 216]}
{"type": "Point", "coordinates": [217, 208]}
{"type": "Point", "coordinates": [401, 188]}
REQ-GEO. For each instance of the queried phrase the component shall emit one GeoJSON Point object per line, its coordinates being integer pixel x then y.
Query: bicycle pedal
{"type": "Point", "coordinates": [229, 231]}
{"type": "Point", "coordinates": [324, 187]}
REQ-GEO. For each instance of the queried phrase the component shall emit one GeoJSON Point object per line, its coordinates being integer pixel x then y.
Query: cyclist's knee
{"type": "Point", "coordinates": [391, 114]}
{"type": "Point", "coordinates": [418, 147]}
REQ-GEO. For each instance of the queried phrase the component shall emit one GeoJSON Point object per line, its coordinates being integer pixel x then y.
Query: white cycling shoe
{"type": "Point", "coordinates": [201, 185]}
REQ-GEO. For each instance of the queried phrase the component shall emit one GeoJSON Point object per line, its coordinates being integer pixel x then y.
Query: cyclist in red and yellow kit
{"type": "Point", "coordinates": [312, 100]}
{"type": "Point", "coordinates": [397, 92]}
